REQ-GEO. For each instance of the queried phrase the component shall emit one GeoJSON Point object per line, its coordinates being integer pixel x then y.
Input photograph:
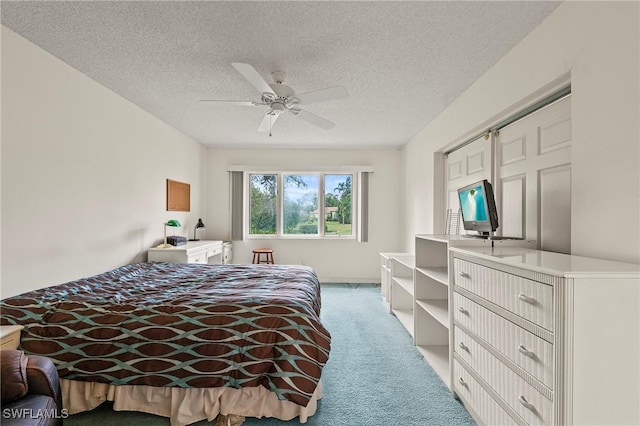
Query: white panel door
{"type": "Point", "coordinates": [533, 177]}
{"type": "Point", "coordinates": [469, 164]}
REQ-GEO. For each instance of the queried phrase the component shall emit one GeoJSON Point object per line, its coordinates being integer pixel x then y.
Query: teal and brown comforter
{"type": "Point", "coordinates": [181, 325]}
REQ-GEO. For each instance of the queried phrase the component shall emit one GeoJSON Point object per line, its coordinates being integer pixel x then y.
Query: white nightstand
{"type": "Point", "coordinates": [10, 336]}
{"type": "Point", "coordinates": [192, 252]}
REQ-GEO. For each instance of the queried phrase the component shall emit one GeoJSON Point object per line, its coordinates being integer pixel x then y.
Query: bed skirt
{"type": "Point", "coordinates": [185, 405]}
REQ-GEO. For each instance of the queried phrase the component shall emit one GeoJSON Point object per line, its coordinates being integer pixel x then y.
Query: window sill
{"type": "Point", "coordinates": [301, 237]}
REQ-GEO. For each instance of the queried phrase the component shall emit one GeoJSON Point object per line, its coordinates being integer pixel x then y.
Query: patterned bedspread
{"type": "Point", "coordinates": [182, 325]}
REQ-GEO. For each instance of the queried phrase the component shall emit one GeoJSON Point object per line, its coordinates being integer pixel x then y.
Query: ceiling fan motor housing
{"type": "Point", "coordinates": [277, 107]}
{"type": "Point", "coordinates": [282, 90]}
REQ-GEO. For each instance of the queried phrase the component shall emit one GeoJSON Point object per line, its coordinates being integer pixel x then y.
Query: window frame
{"type": "Point", "coordinates": [280, 175]}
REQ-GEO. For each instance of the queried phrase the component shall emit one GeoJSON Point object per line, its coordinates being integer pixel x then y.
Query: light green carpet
{"type": "Point", "coordinates": [375, 376]}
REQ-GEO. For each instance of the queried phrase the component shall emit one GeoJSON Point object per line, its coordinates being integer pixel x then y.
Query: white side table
{"type": "Point", "coordinates": [10, 336]}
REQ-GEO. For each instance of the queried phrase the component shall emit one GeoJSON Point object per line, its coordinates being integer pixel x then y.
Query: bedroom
{"type": "Point", "coordinates": [57, 227]}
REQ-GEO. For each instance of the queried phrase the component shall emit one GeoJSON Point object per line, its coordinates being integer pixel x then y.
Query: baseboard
{"type": "Point", "coordinates": [350, 280]}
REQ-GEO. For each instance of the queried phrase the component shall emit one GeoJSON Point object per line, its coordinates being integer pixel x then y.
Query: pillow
{"type": "Point", "coordinates": [13, 364]}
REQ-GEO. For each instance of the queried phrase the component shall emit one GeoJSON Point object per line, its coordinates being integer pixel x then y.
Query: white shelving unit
{"type": "Point", "coordinates": [402, 267]}
{"type": "Point", "coordinates": [432, 317]}
{"type": "Point", "coordinates": [386, 259]}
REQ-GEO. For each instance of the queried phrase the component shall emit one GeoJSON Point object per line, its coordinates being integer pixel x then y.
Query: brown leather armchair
{"type": "Point", "coordinates": [30, 390]}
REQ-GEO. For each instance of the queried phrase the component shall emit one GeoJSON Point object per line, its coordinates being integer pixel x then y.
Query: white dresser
{"type": "Point", "coordinates": [192, 252]}
{"type": "Point", "coordinates": [544, 338]}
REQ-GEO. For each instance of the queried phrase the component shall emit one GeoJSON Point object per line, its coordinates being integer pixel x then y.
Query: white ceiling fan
{"type": "Point", "coordinates": [281, 98]}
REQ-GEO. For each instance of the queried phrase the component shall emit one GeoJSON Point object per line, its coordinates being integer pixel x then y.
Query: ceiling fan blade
{"type": "Point", "coordinates": [254, 78]}
{"type": "Point", "coordinates": [322, 95]}
{"type": "Point", "coordinates": [267, 122]}
{"type": "Point", "coordinates": [314, 119]}
{"type": "Point", "coordinates": [242, 103]}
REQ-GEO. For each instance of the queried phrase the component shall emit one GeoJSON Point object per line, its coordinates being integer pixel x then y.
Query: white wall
{"type": "Point", "coordinates": [334, 261]}
{"type": "Point", "coordinates": [595, 45]}
{"type": "Point", "coordinates": [83, 173]}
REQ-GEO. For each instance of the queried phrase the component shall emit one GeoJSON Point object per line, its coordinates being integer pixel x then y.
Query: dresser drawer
{"type": "Point", "coordinates": [531, 353]}
{"type": "Point", "coordinates": [214, 251]}
{"type": "Point", "coordinates": [478, 399]}
{"type": "Point", "coordinates": [198, 257]}
{"type": "Point", "coordinates": [524, 399]}
{"type": "Point", "coordinates": [529, 299]}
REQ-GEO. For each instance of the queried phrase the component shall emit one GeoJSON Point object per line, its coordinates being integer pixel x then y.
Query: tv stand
{"type": "Point", "coordinates": [491, 237]}
{"type": "Point", "coordinates": [480, 236]}
{"type": "Point", "coordinates": [497, 238]}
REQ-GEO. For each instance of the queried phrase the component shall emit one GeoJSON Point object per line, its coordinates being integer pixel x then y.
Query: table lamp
{"type": "Point", "coordinates": [171, 222]}
{"type": "Point", "coordinates": [198, 225]}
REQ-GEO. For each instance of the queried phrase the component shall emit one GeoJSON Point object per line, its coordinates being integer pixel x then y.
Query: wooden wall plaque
{"type": "Point", "coordinates": [178, 196]}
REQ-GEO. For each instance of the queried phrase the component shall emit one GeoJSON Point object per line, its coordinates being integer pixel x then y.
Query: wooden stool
{"type": "Point", "coordinates": [268, 255]}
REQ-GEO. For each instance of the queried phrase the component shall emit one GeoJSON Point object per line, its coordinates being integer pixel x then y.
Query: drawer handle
{"type": "Point", "coordinates": [462, 382]}
{"type": "Point", "coordinates": [527, 299]}
{"type": "Point", "coordinates": [524, 351]}
{"type": "Point", "coordinates": [526, 403]}
{"type": "Point", "coordinates": [463, 310]}
{"type": "Point", "coordinates": [464, 347]}
{"type": "Point", "coordinates": [464, 275]}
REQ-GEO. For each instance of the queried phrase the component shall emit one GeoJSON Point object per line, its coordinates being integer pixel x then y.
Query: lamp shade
{"type": "Point", "coordinates": [200, 224]}
{"type": "Point", "coordinates": [173, 222]}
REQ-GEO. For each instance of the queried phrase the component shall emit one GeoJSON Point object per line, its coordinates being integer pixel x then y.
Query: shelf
{"type": "Point", "coordinates": [437, 308]}
{"type": "Point", "coordinates": [406, 260]}
{"type": "Point", "coordinates": [405, 283]}
{"type": "Point", "coordinates": [438, 357]}
{"type": "Point", "coordinates": [438, 273]}
{"type": "Point", "coordinates": [405, 316]}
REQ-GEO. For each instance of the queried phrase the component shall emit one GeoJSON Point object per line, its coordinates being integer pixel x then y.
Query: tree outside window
{"type": "Point", "coordinates": [338, 205]}
{"type": "Point", "coordinates": [263, 205]}
{"type": "Point", "coordinates": [300, 201]}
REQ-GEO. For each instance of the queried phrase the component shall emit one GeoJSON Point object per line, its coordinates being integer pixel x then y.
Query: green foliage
{"type": "Point", "coordinates": [307, 228]}
{"type": "Point", "coordinates": [344, 196]}
{"type": "Point", "coordinates": [331, 200]}
{"type": "Point", "coordinates": [263, 204]}
{"type": "Point", "coordinates": [336, 228]}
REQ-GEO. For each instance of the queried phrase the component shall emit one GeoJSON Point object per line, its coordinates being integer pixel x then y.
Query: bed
{"type": "Point", "coordinates": [184, 341]}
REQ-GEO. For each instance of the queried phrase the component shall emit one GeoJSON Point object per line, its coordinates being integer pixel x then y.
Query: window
{"type": "Point", "coordinates": [263, 205]}
{"type": "Point", "coordinates": [300, 210]}
{"type": "Point", "coordinates": [302, 205]}
{"type": "Point", "coordinates": [338, 205]}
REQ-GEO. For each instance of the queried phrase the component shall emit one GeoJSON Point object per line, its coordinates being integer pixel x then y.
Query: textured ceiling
{"type": "Point", "coordinates": [401, 62]}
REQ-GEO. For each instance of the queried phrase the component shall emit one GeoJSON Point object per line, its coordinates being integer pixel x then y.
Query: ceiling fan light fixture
{"type": "Point", "coordinates": [277, 107]}
{"type": "Point", "coordinates": [282, 98]}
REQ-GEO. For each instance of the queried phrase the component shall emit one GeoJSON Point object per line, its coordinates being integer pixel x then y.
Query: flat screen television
{"type": "Point", "coordinates": [478, 207]}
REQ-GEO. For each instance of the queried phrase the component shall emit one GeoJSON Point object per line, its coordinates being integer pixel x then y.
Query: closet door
{"type": "Point", "coordinates": [466, 165]}
{"type": "Point", "coordinates": [533, 177]}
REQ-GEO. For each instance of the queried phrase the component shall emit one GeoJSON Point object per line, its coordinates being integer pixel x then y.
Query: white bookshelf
{"type": "Point", "coordinates": [386, 259]}
{"type": "Point", "coordinates": [401, 291]}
